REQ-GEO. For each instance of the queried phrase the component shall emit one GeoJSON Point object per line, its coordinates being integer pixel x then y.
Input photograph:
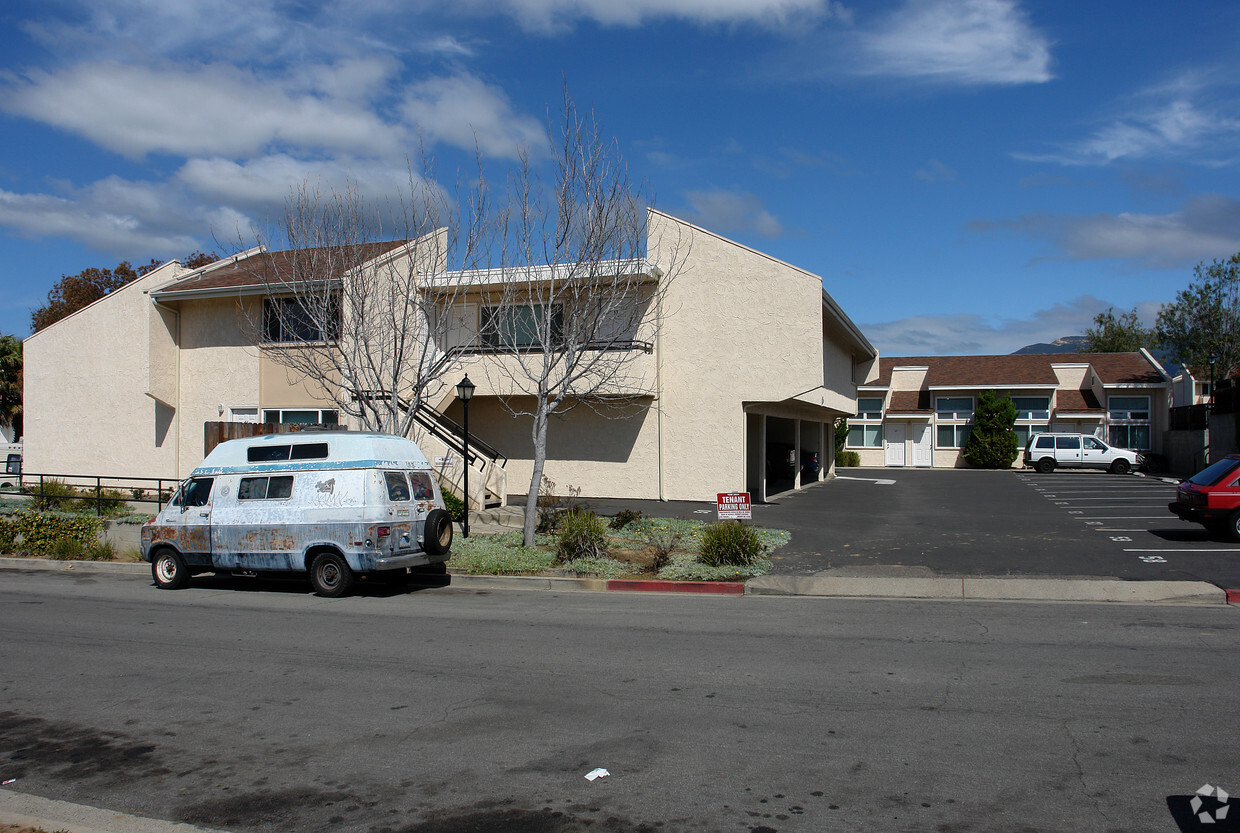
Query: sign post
{"type": "Point", "coordinates": [733, 506]}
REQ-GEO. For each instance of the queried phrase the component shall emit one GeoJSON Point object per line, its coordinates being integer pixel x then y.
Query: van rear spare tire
{"type": "Point", "coordinates": [437, 536]}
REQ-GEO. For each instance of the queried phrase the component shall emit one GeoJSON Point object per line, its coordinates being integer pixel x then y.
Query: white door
{"type": "Point", "coordinates": [895, 434]}
{"type": "Point", "coordinates": [923, 448]}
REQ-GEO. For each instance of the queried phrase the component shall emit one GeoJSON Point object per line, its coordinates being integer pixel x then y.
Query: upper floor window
{"type": "Point", "coordinates": [302, 416]}
{"type": "Point", "coordinates": [1032, 407]}
{"type": "Point", "coordinates": [954, 407]}
{"type": "Point", "coordinates": [521, 326]}
{"type": "Point", "coordinates": [294, 321]}
{"type": "Point", "coordinates": [1128, 408]}
{"type": "Point", "coordinates": [869, 407]}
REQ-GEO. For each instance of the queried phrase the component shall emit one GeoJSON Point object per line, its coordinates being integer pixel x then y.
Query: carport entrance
{"type": "Point", "coordinates": [783, 453]}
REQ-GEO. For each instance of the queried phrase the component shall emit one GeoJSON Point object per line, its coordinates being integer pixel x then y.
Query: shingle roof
{"type": "Point", "coordinates": [910, 402]}
{"type": "Point", "coordinates": [1033, 369]}
{"type": "Point", "coordinates": [276, 267]}
{"type": "Point", "coordinates": [1069, 401]}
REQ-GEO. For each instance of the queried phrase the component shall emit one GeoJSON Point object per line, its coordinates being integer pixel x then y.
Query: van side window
{"type": "Point", "coordinates": [1046, 442]}
{"type": "Point", "coordinates": [309, 451]}
{"type": "Point", "coordinates": [397, 486]}
{"type": "Point", "coordinates": [267, 453]}
{"type": "Point", "coordinates": [1067, 442]}
{"type": "Point", "coordinates": [422, 488]}
{"type": "Point", "coordinates": [195, 492]}
{"type": "Point", "coordinates": [265, 488]}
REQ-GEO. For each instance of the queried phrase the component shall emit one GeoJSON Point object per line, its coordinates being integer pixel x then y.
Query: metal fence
{"type": "Point", "coordinates": [56, 490]}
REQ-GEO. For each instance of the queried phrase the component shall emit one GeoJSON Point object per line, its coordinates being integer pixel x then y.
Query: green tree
{"type": "Point", "coordinates": [992, 442]}
{"type": "Point", "coordinates": [1117, 334]}
{"type": "Point", "coordinates": [73, 292]}
{"type": "Point", "coordinates": [1204, 319]}
{"type": "Point", "coordinates": [11, 383]}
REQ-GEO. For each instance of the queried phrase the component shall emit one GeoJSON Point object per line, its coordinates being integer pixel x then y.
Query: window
{"type": "Point", "coordinates": [277, 453]}
{"type": "Point", "coordinates": [954, 407]}
{"type": "Point", "coordinates": [1024, 432]}
{"type": "Point", "coordinates": [1094, 444]}
{"type": "Point", "coordinates": [870, 407]}
{"type": "Point", "coordinates": [302, 416]}
{"type": "Point", "coordinates": [265, 488]}
{"type": "Point", "coordinates": [1129, 418]}
{"type": "Point", "coordinates": [952, 436]}
{"type": "Point", "coordinates": [865, 436]}
{"type": "Point", "coordinates": [1046, 442]}
{"type": "Point", "coordinates": [952, 414]}
{"type": "Point", "coordinates": [422, 488]}
{"type": "Point", "coordinates": [290, 321]}
{"type": "Point", "coordinates": [521, 326]}
{"type": "Point", "coordinates": [397, 486]}
{"type": "Point", "coordinates": [1068, 443]}
{"type": "Point", "coordinates": [1032, 407]}
{"type": "Point", "coordinates": [861, 435]}
{"type": "Point", "coordinates": [195, 492]}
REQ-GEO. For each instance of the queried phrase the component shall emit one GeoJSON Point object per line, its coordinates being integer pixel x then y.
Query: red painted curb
{"type": "Point", "coordinates": [1233, 597]}
{"type": "Point", "coordinates": [727, 588]}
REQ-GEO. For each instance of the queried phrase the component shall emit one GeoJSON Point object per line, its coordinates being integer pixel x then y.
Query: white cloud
{"type": "Point", "coordinates": [935, 171]}
{"type": "Point", "coordinates": [546, 15]}
{"type": "Point", "coordinates": [1208, 226]}
{"type": "Point", "coordinates": [973, 42]}
{"type": "Point", "coordinates": [462, 109]}
{"type": "Point", "coordinates": [214, 109]}
{"type": "Point", "coordinates": [1187, 117]}
{"type": "Point", "coordinates": [118, 217]}
{"type": "Point", "coordinates": [972, 334]}
{"type": "Point", "coordinates": [727, 212]}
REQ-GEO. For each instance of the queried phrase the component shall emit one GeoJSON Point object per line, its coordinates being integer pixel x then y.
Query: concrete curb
{"type": "Point", "coordinates": [48, 814]}
{"type": "Point", "coordinates": [995, 588]}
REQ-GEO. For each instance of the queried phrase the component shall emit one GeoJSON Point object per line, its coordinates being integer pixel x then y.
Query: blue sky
{"type": "Point", "coordinates": [967, 176]}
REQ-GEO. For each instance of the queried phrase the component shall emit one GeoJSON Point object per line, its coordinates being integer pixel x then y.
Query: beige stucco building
{"type": "Point", "coordinates": [917, 411]}
{"type": "Point", "coordinates": [735, 380]}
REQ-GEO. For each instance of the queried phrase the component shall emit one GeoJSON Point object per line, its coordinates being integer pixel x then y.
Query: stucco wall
{"type": "Point", "coordinates": [739, 327]}
{"type": "Point", "coordinates": [85, 399]}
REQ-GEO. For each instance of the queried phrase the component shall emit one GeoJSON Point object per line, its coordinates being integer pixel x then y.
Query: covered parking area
{"type": "Point", "coordinates": [788, 446]}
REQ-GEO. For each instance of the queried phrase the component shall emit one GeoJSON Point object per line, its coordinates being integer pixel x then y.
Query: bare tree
{"type": "Point", "coordinates": [573, 303]}
{"type": "Point", "coordinates": [345, 306]}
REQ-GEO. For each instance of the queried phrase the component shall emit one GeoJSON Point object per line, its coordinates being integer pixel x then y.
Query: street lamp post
{"type": "Point", "coordinates": [465, 392]}
{"type": "Point", "coordinates": [1213, 359]}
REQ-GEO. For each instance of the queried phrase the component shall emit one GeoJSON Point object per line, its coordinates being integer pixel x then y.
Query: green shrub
{"type": "Point", "coordinates": [66, 549]}
{"type": "Point", "coordinates": [498, 555]}
{"type": "Point", "coordinates": [730, 543]}
{"type": "Point", "coordinates": [40, 531]}
{"type": "Point", "coordinates": [992, 443]}
{"type": "Point", "coordinates": [662, 542]}
{"type": "Point", "coordinates": [624, 517]}
{"type": "Point", "coordinates": [51, 495]}
{"type": "Point", "coordinates": [597, 567]}
{"type": "Point", "coordinates": [455, 506]}
{"type": "Point", "coordinates": [102, 550]}
{"type": "Point", "coordinates": [8, 531]}
{"type": "Point", "coordinates": [106, 502]}
{"type": "Point", "coordinates": [847, 459]}
{"type": "Point", "coordinates": [581, 534]}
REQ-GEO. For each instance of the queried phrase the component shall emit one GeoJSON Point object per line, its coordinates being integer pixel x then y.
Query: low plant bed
{"type": "Point", "coordinates": [668, 549]}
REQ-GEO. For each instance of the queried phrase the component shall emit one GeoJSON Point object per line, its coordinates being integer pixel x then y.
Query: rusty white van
{"type": "Point", "coordinates": [334, 504]}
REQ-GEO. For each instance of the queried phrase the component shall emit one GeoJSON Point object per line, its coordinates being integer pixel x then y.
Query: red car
{"type": "Point", "coordinates": [1212, 497]}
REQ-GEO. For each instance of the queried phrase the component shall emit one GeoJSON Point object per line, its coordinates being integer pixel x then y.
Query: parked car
{"type": "Point", "coordinates": [1045, 452]}
{"type": "Point", "coordinates": [332, 504]}
{"type": "Point", "coordinates": [781, 461]}
{"type": "Point", "coordinates": [1211, 497]}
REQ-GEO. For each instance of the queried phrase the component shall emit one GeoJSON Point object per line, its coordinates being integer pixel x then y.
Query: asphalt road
{"type": "Point", "coordinates": [917, 522]}
{"type": "Point", "coordinates": [258, 707]}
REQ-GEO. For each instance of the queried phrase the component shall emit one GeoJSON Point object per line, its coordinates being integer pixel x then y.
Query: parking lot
{"type": "Point", "coordinates": [923, 522]}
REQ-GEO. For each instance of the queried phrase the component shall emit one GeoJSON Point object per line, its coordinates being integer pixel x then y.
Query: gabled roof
{"type": "Point", "coordinates": [256, 269]}
{"type": "Point", "coordinates": [1013, 371]}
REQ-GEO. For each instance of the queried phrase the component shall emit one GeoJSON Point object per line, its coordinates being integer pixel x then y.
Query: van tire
{"type": "Point", "coordinates": [437, 535]}
{"type": "Point", "coordinates": [1120, 466]}
{"type": "Point", "coordinates": [1046, 465]}
{"type": "Point", "coordinates": [168, 570]}
{"type": "Point", "coordinates": [330, 575]}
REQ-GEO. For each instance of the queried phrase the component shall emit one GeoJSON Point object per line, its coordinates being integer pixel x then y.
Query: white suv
{"type": "Point", "coordinates": [1046, 451]}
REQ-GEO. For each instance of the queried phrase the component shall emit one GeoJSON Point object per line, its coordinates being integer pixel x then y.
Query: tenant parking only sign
{"type": "Point", "coordinates": [733, 506]}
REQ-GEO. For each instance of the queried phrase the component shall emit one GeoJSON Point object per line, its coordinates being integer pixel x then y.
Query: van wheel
{"type": "Point", "coordinates": [1120, 467]}
{"type": "Point", "coordinates": [1046, 465]}
{"type": "Point", "coordinates": [169, 570]}
{"type": "Point", "coordinates": [437, 537]}
{"type": "Point", "coordinates": [330, 575]}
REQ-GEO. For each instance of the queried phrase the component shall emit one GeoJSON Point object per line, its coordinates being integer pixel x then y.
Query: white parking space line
{"type": "Point", "coordinates": [1107, 497]}
{"type": "Point", "coordinates": [1125, 518]}
{"type": "Point", "coordinates": [1195, 549]}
